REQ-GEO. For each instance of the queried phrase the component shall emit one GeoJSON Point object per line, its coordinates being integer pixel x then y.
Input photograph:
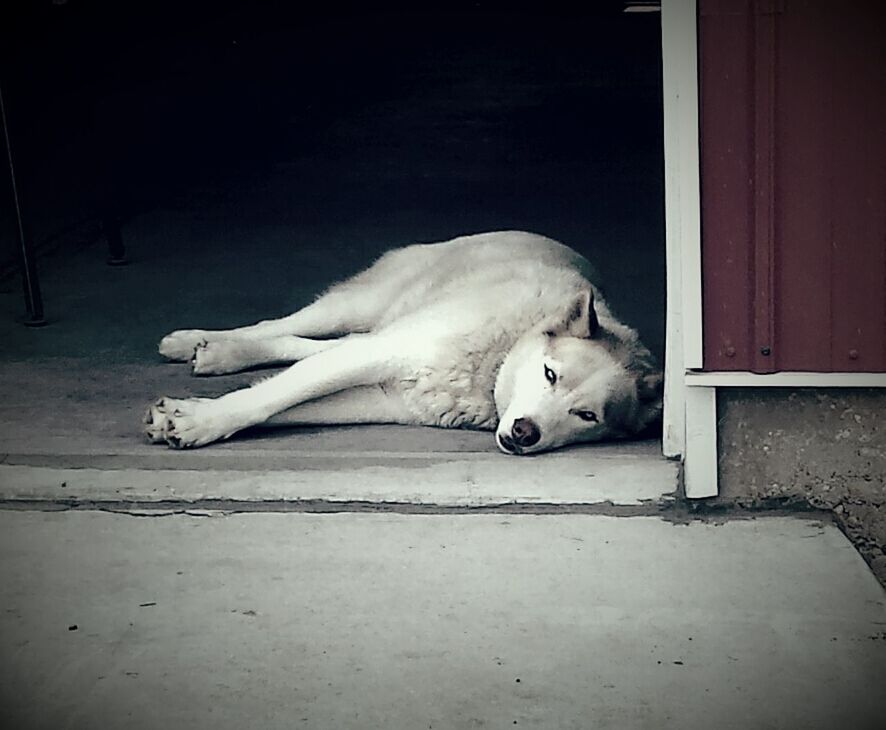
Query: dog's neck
{"type": "Point", "coordinates": [503, 390]}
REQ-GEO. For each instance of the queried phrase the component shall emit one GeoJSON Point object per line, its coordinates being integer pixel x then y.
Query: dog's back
{"type": "Point", "coordinates": [487, 274]}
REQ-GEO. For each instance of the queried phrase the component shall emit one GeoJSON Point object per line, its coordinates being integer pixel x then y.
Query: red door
{"type": "Point", "coordinates": [793, 184]}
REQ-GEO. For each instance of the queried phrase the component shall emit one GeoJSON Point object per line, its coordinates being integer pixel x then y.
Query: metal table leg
{"type": "Point", "coordinates": [116, 249]}
{"type": "Point", "coordinates": [33, 298]}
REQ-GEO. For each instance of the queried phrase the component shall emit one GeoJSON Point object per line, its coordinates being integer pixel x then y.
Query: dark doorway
{"type": "Point", "coordinates": [276, 149]}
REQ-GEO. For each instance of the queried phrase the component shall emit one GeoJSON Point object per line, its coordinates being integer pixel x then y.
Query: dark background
{"type": "Point", "coordinates": [325, 134]}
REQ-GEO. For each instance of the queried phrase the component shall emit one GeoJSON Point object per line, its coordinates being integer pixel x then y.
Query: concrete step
{"type": "Point", "coordinates": [630, 475]}
{"type": "Point", "coordinates": [73, 423]}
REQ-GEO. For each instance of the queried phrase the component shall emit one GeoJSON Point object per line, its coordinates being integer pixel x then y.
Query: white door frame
{"type": "Point", "coordinates": [686, 417]}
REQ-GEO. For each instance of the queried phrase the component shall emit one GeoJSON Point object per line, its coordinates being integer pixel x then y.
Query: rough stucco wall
{"type": "Point", "coordinates": [826, 448]}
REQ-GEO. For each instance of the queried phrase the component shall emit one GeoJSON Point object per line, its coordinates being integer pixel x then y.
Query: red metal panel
{"type": "Point", "coordinates": [859, 190]}
{"type": "Point", "coordinates": [793, 122]}
{"type": "Point", "coordinates": [803, 129]}
{"type": "Point", "coordinates": [726, 113]}
{"type": "Point", "coordinates": [763, 350]}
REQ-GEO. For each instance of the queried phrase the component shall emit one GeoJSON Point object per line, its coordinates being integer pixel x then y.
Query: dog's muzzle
{"type": "Point", "coordinates": [524, 433]}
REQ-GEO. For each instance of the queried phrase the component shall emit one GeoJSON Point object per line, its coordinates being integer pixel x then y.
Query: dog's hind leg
{"type": "Point", "coordinates": [199, 421]}
{"type": "Point", "coordinates": [218, 357]}
{"type": "Point", "coordinates": [354, 305]}
{"type": "Point", "coordinates": [331, 315]}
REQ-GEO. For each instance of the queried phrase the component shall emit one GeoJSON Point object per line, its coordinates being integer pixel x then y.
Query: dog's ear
{"type": "Point", "coordinates": [581, 318]}
{"type": "Point", "coordinates": [650, 387]}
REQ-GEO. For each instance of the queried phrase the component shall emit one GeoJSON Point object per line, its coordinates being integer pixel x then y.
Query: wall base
{"type": "Point", "coordinates": [826, 448]}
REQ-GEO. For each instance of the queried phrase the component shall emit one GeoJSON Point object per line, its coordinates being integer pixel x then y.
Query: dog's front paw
{"type": "Point", "coordinates": [180, 345]}
{"type": "Point", "coordinates": [155, 422]}
{"type": "Point", "coordinates": [192, 422]}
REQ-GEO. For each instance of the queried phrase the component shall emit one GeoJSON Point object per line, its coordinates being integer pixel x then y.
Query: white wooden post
{"type": "Point", "coordinates": [683, 343]}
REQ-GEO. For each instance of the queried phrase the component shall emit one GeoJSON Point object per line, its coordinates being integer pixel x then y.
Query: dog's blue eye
{"type": "Point", "coordinates": [589, 416]}
{"type": "Point", "coordinates": [550, 375]}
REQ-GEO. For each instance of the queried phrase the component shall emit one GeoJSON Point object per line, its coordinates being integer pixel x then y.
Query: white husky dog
{"type": "Point", "coordinates": [505, 330]}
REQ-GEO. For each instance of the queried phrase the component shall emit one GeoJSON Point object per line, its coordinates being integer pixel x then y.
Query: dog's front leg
{"type": "Point", "coordinates": [194, 422]}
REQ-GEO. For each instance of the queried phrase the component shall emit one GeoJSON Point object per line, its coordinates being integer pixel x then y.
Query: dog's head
{"type": "Point", "coordinates": [575, 378]}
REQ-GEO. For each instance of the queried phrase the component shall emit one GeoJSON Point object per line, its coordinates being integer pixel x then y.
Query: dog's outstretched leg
{"type": "Point", "coordinates": [199, 421]}
{"type": "Point", "coordinates": [331, 315]}
{"type": "Point", "coordinates": [355, 305]}
{"type": "Point", "coordinates": [363, 404]}
{"type": "Point", "coordinates": [218, 357]}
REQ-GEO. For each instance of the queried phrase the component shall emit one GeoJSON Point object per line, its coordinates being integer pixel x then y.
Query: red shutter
{"type": "Point", "coordinates": [793, 184]}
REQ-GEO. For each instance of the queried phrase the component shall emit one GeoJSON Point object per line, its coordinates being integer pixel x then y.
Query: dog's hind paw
{"type": "Point", "coordinates": [218, 357]}
{"type": "Point", "coordinates": [180, 345]}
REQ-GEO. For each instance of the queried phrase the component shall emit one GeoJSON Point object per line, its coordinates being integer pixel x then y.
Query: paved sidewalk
{"type": "Point", "coordinates": [435, 621]}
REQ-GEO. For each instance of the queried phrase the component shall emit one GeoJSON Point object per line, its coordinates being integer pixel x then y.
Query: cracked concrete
{"type": "Point", "coordinates": [443, 621]}
{"type": "Point", "coordinates": [581, 478]}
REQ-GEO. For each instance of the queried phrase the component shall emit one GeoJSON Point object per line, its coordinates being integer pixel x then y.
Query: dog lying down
{"type": "Point", "coordinates": [503, 331]}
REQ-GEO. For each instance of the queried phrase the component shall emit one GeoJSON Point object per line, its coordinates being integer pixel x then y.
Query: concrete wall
{"type": "Point", "coordinates": [824, 448]}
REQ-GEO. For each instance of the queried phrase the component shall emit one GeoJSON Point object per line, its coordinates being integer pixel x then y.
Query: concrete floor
{"type": "Point", "coordinates": [72, 431]}
{"type": "Point", "coordinates": [435, 621]}
{"type": "Point", "coordinates": [72, 395]}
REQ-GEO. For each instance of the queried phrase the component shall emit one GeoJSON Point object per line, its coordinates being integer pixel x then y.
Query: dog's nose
{"type": "Point", "coordinates": [505, 443]}
{"type": "Point", "coordinates": [525, 432]}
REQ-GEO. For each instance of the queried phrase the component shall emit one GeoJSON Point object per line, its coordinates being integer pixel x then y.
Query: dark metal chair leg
{"type": "Point", "coordinates": [116, 249]}
{"type": "Point", "coordinates": [33, 298]}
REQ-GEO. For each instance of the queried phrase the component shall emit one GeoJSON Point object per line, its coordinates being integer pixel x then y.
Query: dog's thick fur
{"type": "Point", "coordinates": [505, 330]}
